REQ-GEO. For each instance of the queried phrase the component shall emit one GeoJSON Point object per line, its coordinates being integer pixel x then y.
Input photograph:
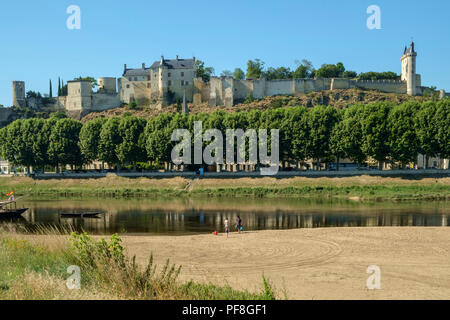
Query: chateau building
{"type": "Point", "coordinates": [164, 82]}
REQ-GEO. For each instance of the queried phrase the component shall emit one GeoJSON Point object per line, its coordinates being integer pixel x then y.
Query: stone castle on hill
{"type": "Point", "coordinates": [167, 81]}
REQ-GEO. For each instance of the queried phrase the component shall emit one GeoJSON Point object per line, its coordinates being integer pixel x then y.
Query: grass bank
{"type": "Point", "coordinates": [35, 267]}
{"type": "Point", "coordinates": [359, 188]}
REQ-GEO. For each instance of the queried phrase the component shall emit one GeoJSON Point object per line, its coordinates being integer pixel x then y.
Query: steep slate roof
{"type": "Point", "coordinates": [175, 64]}
{"type": "Point", "coordinates": [410, 49]}
{"type": "Point", "coordinates": [137, 72]}
{"type": "Point", "coordinates": [171, 64]}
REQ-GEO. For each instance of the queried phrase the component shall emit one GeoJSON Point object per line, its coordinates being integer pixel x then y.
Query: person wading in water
{"type": "Point", "coordinates": [227, 227]}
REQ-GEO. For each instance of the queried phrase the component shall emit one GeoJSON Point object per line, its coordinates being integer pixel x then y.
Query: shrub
{"type": "Point", "coordinates": [132, 105]}
{"type": "Point", "coordinates": [249, 98]}
{"type": "Point", "coordinates": [107, 264]}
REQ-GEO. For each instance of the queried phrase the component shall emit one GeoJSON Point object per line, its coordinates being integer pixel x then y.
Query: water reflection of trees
{"type": "Point", "coordinates": [199, 221]}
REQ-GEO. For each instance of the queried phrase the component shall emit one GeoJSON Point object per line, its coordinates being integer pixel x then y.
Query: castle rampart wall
{"type": "Point", "coordinates": [5, 116]}
{"type": "Point", "coordinates": [104, 101]}
{"type": "Point", "coordinates": [228, 91]}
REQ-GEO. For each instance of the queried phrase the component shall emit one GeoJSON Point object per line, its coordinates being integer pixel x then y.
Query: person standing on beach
{"type": "Point", "coordinates": [227, 227]}
{"type": "Point", "coordinates": [239, 223]}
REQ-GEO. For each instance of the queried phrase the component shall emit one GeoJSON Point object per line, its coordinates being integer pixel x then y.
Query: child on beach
{"type": "Point", "coordinates": [227, 227]}
{"type": "Point", "coordinates": [239, 224]}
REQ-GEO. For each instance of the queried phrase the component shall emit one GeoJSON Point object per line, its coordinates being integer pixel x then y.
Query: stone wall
{"type": "Point", "coordinates": [227, 91]}
{"type": "Point", "coordinates": [201, 91]}
{"type": "Point", "coordinates": [6, 116]}
{"type": "Point", "coordinates": [104, 101]}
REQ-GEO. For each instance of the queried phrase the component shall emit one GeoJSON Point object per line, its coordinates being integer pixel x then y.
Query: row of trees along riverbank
{"type": "Point", "coordinates": [379, 131]}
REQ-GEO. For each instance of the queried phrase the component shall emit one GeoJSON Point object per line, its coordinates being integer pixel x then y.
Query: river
{"type": "Point", "coordinates": [180, 216]}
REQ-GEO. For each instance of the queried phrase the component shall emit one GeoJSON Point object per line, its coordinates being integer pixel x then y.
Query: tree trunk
{"type": "Point", "coordinates": [318, 164]}
{"type": "Point", "coordinates": [426, 161]}
{"type": "Point", "coordinates": [380, 165]}
{"type": "Point", "coordinates": [337, 163]}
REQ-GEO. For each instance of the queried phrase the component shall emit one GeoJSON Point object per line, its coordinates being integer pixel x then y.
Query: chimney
{"type": "Point", "coordinates": [193, 59]}
{"type": "Point", "coordinates": [143, 65]}
{"type": "Point", "coordinates": [124, 68]}
{"type": "Point", "coordinates": [162, 60]}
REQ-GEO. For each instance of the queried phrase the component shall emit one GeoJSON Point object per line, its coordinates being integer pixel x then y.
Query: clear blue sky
{"type": "Point", "coordinates": [37, 46]}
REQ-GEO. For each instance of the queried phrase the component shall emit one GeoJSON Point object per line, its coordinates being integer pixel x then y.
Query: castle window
{"type": "Point", "coordinates": [186, 83]}
{"type": "Point", "coordinates": [128, 86]}
{"type": "Point", "coordinates": [130, 79]}
{"type": "Point", "coordinates": [182, 82]}
{"type": "Point", "coordinates": [169, 83]}
{"type": "Point", "coordinates": [182, 74]}
{"type": "Point", "coordinates": [148, 78]}
{"type": "Point", "coordinates": [135, 79]}
{"type": "Point", "coordinates": [168, 74]}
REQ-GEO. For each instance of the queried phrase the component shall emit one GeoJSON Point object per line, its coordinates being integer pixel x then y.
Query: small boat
{"type": "Point", "coordinates": [7, 211]}
{"type": "Point", "coordinates": [81, 215]}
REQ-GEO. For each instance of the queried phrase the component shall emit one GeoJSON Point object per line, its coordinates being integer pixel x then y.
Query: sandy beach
{"type": "Point", "coordinates": [326, 263]}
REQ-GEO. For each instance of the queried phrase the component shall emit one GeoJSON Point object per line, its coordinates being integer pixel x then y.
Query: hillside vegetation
{"type": "Point", "coordinates": [336, 98]}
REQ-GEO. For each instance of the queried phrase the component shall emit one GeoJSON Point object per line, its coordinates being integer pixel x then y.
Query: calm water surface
{"type": "Point", "coordinates": [187, 216]}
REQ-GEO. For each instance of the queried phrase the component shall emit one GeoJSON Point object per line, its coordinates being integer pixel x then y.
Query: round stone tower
{"type": "Point", "coordinates": [18, 94]}
{"type": "Point", "coordinates": [409, 69]}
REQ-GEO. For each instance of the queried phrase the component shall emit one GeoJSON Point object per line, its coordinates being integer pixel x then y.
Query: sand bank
{"type": "Point", "coordinates": [313, 263]}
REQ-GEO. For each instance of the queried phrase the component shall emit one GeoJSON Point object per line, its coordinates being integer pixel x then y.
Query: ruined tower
{"type": "Point", "coordinates": [409, 69]}
{"type": "Point", "coordinates": [18, 94]}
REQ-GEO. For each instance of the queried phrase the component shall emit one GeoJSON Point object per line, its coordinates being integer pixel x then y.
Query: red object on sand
{"type": "Point", "coordinates": [215, 233]}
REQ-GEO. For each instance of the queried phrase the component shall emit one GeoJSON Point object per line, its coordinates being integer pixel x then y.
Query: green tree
{"type": "Point", "coordinates": [337, 138]}
{"type": "Point", "coordinates": [14, 147]}
{"type": "Point", "coordinates": [109, 140]}
{"type": "Point", "coordinates": [349, 74]}
{"type": "Point", "coordinates": [132, 147]}
{"type": "Point", "coordinates": [35, 142]}
{"type": "Point", "coordinates": [378, 76]}
{"type": "Point", "coordinates": [304, 70]}
{"type": "Point", "coordinates": [330, 71]}
{"type": "Point", "coordinates": [442, 121]}
{"type": "Point", "coordinates": [238, 74]}
{"type": "Point", "coordinates": [427, 130]}
{"type": "Point", "coordinates": [297, 122]}
{"type": "Point", "coordinates": [158, 134]}
{"type": "Point", "coordinates": [203, 72]}
{"type": "Point", "coordinates": [50, 93]}
{"type": "Point", "coordinates": [403, 140]}
{"type": "Point", "coordinates": [351, 134]}
{"type": "Point", "coordinates": [255, 68]}
{"type": "Point", "coordinates": [63, 146]}
{"type": "Point", "coordinates": [375, 129]}
{"type": "Point", "coordinates": [226, 73]}
{"type": "Point", "coordinates": [90, 139]}
{"type": "Point", "coordinates": [278, 73]}
{"type": "Point", "coordinates": [321, 121]}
